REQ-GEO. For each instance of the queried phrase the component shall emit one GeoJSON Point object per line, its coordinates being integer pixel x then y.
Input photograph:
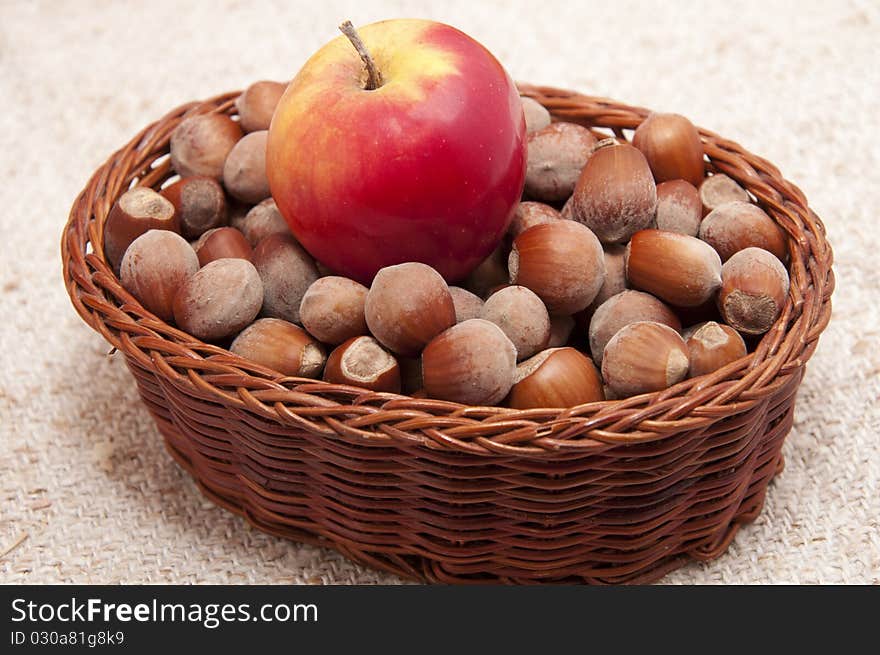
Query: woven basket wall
{"type": "Point", "coordinates": [611, 492]}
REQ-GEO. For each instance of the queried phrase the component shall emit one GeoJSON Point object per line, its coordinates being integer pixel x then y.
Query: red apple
{"type": "Point", "coordinates": [427, 167]}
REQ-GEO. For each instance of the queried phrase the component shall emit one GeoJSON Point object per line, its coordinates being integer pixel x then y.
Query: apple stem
{"type": "Point", "coordinates": [374, 78]}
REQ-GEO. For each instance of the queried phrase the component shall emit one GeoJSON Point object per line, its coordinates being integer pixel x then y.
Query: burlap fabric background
{"type": "Point", "coordinates": [87, 492]}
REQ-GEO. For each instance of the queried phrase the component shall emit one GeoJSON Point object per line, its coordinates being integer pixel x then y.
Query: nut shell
{"type": "Point", "coordinates": [615, 275]}
{"type": "Point", "coordinates": [467, 305]}
{"type": "Point", "coordinates": [737, 225]}
{"type": "Point", "coordinates": [615, 195]}
{"type": "Point", "coordinates": [281, 346]}
{"type": "Point", "coordinates": [472, 363]}
{"type": "Point", "coordinates": [537, 116]}
{"type": "Point", "coordinates": [679, 208]}
{"type": "Point", "coordinates": [712, 345]}
{"type": "Point", "coordinates": [135, 212]}
{"type": "Point", "coordinates": [627, 307]}
{"type": "Point", "coordinates": [679, 269]}
{"type": "Point", "coordinates": [644, 357]}
{"type": "Point", "coordinates": [257, 104]}
{"type": "Point", "coordinates": [154, 267]}
{"type": "Point", "coordinates": [219, 300]}
{"type": "Point", "coordinates": [672, 146]}
{"type": "Point", "coordinates": [556, 156]}
{"type": "Point", "coordinates": [753, 290]}
{"type": "Point", "coordinates": [529, 214]}
{"type": "Point", "coordinates": [287, 271]}
{"type": "Point", "coordinates": [719, 189]}
{"type": "Point", "coordinates": [521, 316]}
{"type": "Point", "coordinates": [200, 204]}
{"type": "Point", "coordinates": [332, 309]}
{"type": "Point", "coordinates": [556, 378]}
{"type": "Point", "coordinates": [244, 171]}
{"type": "Point", "coordinates": [200, 144]}
{"type": "Point", "coordinates": [561, 262]}
{"type": "Point", "coordinates": [222, 243]}
{"type": "Point", "coordinates": [362, 362]}
{"type": "Point", "coordinates": [262, 221]}
{"type": "Point", "coordinates": [407, 306]}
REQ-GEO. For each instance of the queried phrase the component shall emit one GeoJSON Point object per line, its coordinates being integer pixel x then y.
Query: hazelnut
{"type": "Point", "coordinates": [528, 214]}
{"type": "Point", "coordinates": [609, 393]}
{"type": "Point", "coordinates": [567, 212]}
{"type": "Point", "coordinates": [257, 104]}
{"type": "Point", "coordinates": [287, 271]}
{"type": "Point", "coordinates": [200, 144]}
{"type": "Point", "coordinates": [153, 268]}
{"type": "Point", "coordinates": [219, 299]}
{"type": "Point", "coordinates": [561, 328]}
{"type": "Point", "coordinates": [332, 309]}
{"type": "Point", "coordinates": [244, 172]}
{"type": "Point", "coordinates": [737, 225]}
{"type": "Point", "coordinates": [467, 305]}
{"type": "Point", "coordinates": [537, 116]}
{"type": "Point", "coordinates": [678, 207]}
{"type": "Point", "coordinates": [644, 357]}
{"type": "Point", "coordinates": [556, 156]}
{"type": "Point", "coordinates": [672, 146]}
{"type": "Point", "coordinates": [615, 275]}
{"type": "Point", "coordinates": [362, 362]}
{"type": "Point", "coordinates": [281, 346]}
{"type": "Point", "coordinates": [622, 309]}
{"type": "Point", "coordinates": [555, 378]}
{"type": "Point", "coordinates": [222, 243]}
{"type": "Point", "coordinates": [718, 190]}
{"type": "Point", "coordinates": [615, 195]}
{"type": "Point", "coordinates": [472, 363]}
{"type": "Point", "coordinates": [679, 269]}
{"type": "Point", "coordinates": [261, 221]}
{"type": "Point", "coordinates": [561, 262]}
{"type": "Point", "coordinates": [495, 290]}
{"type": "Point", "coordinates": [200, 204]}
{"type": "Point", "coordinates": [136, 211]}
{"type": "Point", "coordinates": [712, 345]}
{"type": "Point", "coordinates": [754, 286]}
{"type": "Point", "coordinates": [407, 306]}
{"type": "Point", "coordinates": [521, 316]}
{"type": "Point", "coordinates": [490, 273]}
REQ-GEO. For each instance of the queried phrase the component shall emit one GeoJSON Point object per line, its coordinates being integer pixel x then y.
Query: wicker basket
{"type": "Point", "coordinates": [611, 492]}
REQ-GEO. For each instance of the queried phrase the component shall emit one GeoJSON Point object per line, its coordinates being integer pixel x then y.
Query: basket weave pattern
{"type": "Point", "coordinates": [610, 492]}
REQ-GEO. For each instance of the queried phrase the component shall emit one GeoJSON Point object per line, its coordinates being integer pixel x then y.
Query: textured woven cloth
{"type": "Point", "coordinates": [87, 491]}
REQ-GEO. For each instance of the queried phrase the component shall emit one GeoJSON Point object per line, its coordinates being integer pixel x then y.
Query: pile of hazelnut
{"type": "Point", "coordinates": [616, 248]}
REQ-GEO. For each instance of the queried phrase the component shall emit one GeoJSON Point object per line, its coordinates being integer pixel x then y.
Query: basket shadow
{"type": "Point", "coordinates": [157, 500]}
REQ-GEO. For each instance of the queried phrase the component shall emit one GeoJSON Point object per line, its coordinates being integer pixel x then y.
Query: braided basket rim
{"type": "Point", "coordinates": [215, 374]}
